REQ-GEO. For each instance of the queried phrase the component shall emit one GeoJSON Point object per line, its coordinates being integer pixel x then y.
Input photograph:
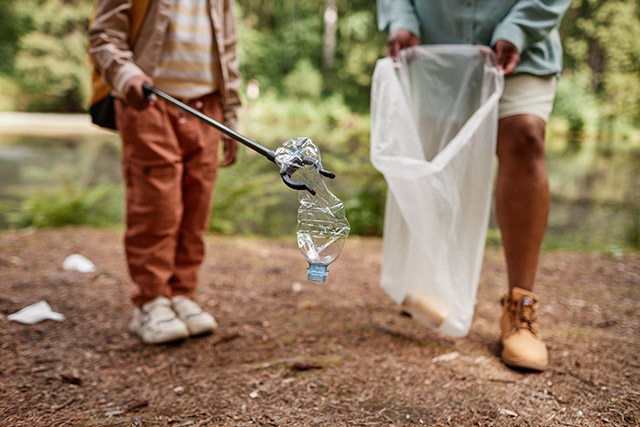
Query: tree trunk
{"type": "Point", "coordinates": [330, 27]}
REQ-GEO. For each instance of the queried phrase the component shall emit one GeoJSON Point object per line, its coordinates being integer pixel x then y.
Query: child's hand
{"type": "Point", "coordinates": [134, 95]}
{"type": "Point", "coordinates": [229, 151]}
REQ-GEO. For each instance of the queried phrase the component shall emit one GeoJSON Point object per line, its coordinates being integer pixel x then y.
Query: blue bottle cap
{"type": "Point", "coordinates": [317, 272]}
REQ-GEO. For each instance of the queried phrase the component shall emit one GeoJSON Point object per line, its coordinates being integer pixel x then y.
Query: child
{"type": "Point", "coordinates": [186, 48]}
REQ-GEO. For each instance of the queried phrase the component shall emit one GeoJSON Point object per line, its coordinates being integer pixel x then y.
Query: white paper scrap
{"type": "Point", "coordinates": [447, 357]}
{"type": "Point", "coordinates": [36, 313]}
{"type": "Point", "coordinates": [508, 412]}
{"type": "Point", "coordinates": [77, 262]}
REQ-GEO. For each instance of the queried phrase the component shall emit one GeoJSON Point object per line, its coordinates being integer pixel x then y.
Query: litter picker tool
{"type": "Point", "coordinates": [287, 169]}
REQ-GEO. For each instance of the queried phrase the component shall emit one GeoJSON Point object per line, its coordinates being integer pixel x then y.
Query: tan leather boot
{"type": "Point", "coordinates": [522, 346]}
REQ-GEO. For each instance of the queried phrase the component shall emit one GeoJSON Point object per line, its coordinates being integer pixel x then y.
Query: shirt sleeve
{"type": "Point", "coordinates": [232, 85]}
{"type": "Point", "coordinates": [109, 44]}
{"type": "Point", "coordinates": [529, 21]}
{"type": "Point", "coordinates": [397, 15]}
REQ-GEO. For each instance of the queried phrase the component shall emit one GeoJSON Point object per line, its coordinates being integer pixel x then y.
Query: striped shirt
{"type": "Point", "coordinates": [189, 65]}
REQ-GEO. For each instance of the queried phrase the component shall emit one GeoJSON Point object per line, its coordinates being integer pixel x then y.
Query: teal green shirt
{"type": "Point", "coordinates": [530, 25]}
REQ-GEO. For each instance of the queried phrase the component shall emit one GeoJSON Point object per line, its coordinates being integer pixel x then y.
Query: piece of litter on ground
{"type": "Point", "coordinates": [178, 390]}
{"type": "Point", "coordinates": [296, 287]}
{"type": "Point", "coordinates": [114, 412]}
{"type": "Point", "coordinates": [508, 412]}
{"type": "Point", "coordinates": [35, 313]}
{"type": "Point", "coordinates": [446, 357]}
{"type": "Point", "coordinates": [253, 394]}
{"type": "Point", "coordinates": [77, 262]}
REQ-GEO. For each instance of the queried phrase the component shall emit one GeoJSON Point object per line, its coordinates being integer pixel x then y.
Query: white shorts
{"type": "Point", "coordinates": [528, 94]}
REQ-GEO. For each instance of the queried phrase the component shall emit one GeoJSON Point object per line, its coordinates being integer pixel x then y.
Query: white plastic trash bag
{"type": "Point", "coordinates": [434, 117]}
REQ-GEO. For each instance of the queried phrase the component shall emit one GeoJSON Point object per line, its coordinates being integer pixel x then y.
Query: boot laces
{"type": "Point", "coordinates": [525, 314]}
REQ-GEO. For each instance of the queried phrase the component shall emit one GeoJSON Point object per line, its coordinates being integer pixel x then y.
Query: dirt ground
{"type": "Point", "coordinates": [289, 352]}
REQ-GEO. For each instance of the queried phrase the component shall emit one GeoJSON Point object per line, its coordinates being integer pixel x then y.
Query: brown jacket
{"type": "Point", "coordinates": [118, 61]}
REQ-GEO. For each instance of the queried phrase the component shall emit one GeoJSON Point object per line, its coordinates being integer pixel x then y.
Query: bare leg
{"type": "Point", "coordinates": [522, 195]}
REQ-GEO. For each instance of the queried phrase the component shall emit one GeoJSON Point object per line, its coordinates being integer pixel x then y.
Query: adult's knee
{"type": "Point", "coordinates": [521, 138]}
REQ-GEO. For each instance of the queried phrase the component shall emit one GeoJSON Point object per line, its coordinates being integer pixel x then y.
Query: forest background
{"type": "Point", "coordinates": [307, 68]}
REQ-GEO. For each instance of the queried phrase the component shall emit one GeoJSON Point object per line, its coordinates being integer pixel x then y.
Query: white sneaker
{"type": "Point", "coordinates": [198, 321]}
{"type": "Point", "coordinates": [157, 323]}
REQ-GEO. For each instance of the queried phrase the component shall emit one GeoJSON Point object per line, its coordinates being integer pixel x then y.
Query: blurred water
{"type": "Point", "coordinates": [595, 199]}
{"type": "Point", "coordinates": [30, 163]}
{"type": "Point", "coordinates": [596, 193]}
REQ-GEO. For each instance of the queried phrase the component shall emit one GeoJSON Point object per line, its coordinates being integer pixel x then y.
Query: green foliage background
{"type": "Point", "coordinates": [43, 46]}
{"type": "Point", "coordinates": [305, 91]}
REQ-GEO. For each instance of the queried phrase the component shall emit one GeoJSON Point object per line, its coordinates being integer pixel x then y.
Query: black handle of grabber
{"type": "Point", "coordinates": [271, 155]}
{"type": "Point", "coordinates": [285, 172]}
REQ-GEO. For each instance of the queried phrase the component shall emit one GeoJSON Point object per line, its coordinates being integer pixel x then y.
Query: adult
{"type": "Point", "coordinates": [524, 36]}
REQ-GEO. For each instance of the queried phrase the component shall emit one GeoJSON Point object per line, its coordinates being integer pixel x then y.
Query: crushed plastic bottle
{"type": "Point", "coordinates": [322, 228]}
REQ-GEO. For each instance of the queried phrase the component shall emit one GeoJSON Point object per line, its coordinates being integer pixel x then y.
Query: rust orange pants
{"type": "Point", "coordinates": [169, 162]}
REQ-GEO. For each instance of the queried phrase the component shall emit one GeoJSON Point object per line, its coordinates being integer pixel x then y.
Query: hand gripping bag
{"type": "Point", "coordinates": [434, 119]}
